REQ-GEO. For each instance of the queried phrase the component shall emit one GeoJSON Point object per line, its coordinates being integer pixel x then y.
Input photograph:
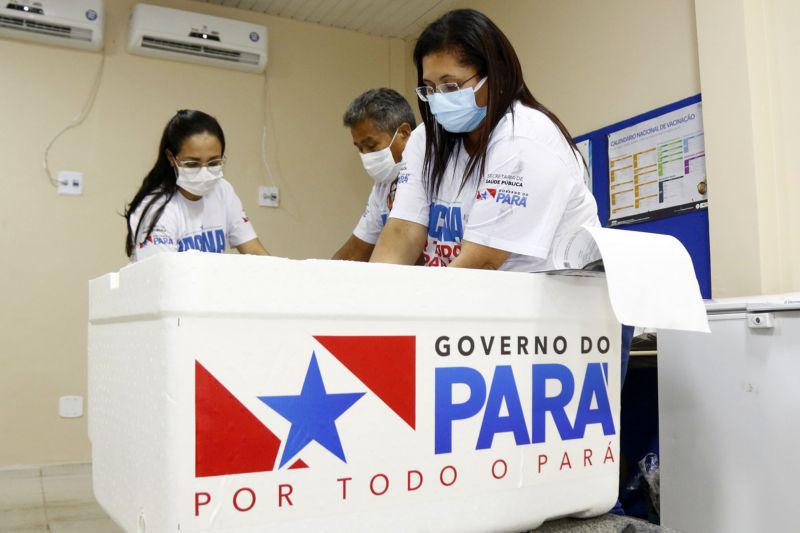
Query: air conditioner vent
{"type": "Point", "coordinates": [44, 28]}
{"type": "Point", "coordinates": [11, 22]}
{"type": "Point", "coordinates": [213, 52]}
{"type": "Point", "coordinates": [66, 23]}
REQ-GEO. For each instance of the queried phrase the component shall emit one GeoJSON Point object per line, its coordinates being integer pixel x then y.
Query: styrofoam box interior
{"type": "Point", "coordinates": [191, 357]}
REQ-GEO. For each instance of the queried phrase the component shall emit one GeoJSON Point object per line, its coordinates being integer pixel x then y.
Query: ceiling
{"type": "Point", "coordinates": [384, 18]}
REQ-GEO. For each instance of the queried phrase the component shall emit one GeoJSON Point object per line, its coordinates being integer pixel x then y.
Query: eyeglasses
{"type": "Point", "coordinates": [426, 91]}
{"type": "Point", "coordinates": [192, 167]}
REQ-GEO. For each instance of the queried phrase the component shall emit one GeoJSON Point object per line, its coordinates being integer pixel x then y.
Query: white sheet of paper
{"type": "Point", "coordinates": [574, 249]}
{"type": "Point", "coordinates": [649, 276]}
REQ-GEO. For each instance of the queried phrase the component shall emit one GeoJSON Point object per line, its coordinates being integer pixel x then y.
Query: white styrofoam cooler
{"type": "Point", "coordinates": [183, 346]}
{"type": "Point", "coordinates": [235, 393]}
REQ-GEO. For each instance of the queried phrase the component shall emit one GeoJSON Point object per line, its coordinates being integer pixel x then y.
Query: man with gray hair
{"type": "Point", "coordinates": [380, 121]}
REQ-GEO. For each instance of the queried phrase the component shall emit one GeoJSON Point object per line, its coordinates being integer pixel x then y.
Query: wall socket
{"type": "Point", "coordinates": [70, 406]}
{"type": "Point", "coordinates": [70, 183]}
{"type": "Point", "coordinates": [268, 196]}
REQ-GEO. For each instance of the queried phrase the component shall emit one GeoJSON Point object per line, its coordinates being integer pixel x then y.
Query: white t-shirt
{"type": "Point", "coordinates": [210, 224]}
{"type": "Point", "coordinates": [376, 214]}
{"type": "Point", "coordinates": [531, 194]}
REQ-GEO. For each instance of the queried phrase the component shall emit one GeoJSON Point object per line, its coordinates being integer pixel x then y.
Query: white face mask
{"type": "Point", "coordinates": [380, 165]}
{"type": "Point", "coordinates": [198, 183]}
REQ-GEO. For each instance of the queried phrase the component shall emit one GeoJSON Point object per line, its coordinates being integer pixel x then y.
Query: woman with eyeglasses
{"type": "Point", "coordinates": [492, 177]}
{"type": "Point", "coordinates": [184, 203]}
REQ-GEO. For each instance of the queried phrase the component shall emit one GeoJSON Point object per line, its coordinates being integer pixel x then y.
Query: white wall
{"type": "Point", "coordinates": [51, 245]}
{"type": "Point", "coordinates": [751, 79]}
{"type": "Point", "coordinates": [596, 63]}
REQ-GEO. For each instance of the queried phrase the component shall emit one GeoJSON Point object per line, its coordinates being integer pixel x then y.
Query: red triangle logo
{"type": "Point", "coordinates": [298, 464]}
{"type": "Point", "coordinates": [493, 192]}
{"type": "Point", "coordinates": [228, 438]}
{"type": "Point", "coordinates": [387, 365]}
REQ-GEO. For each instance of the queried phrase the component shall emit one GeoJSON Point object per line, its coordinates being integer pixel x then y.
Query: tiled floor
{"type": "Point", "coordinates": [57, 499]}
{"type": "Point", "coordinates": [602, 524]}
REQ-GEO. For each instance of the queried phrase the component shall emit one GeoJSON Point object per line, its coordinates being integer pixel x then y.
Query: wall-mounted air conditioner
{"type": "Point", "coordinates": [74, 23]}
{"type": "Point", "coordinates": [197, 38]}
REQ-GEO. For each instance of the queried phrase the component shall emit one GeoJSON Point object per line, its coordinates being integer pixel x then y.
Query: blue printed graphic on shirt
{"type": "Point", "coordinates": [445, 223]}
{"type": "Point", "coordinates": [212, 240]}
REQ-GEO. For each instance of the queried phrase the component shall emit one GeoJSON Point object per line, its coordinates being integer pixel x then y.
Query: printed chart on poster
{"type": "Point", "coordinates": [657, 168]}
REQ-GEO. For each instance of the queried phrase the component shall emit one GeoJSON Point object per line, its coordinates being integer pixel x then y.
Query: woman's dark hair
{"type": "Point", "coordinates": [161, 180]}
{"type": "Point", "coordinates": [476, 41]}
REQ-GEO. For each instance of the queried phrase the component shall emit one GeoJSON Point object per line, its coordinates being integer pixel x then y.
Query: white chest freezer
{"type": "Point", "coordinates": [729, 416]}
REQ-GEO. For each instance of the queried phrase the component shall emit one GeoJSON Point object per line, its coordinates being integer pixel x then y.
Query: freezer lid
{"type": "Point", "coordinates": [751, 304]}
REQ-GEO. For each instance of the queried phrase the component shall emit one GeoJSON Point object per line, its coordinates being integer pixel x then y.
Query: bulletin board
{"type": "Point", "coordinates": [689, 227]}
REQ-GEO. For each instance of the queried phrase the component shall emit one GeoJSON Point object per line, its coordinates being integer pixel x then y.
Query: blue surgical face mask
{"type": "Point", "coordinates": [457, 112]}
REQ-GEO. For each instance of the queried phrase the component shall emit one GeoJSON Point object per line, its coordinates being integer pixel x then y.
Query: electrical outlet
{"type": "Point", "coordinates": [268, 196]}
{"type": "Point", "coordinates": [70, 183]}
{"type": "Point", "coordinates": [70, 406]}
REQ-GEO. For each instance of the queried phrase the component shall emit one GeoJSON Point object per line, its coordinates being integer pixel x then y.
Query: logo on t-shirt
{"type": "Point", "coordinates": [445, 230]}
{"type": "Point", "coordinates": [390, 196]}
{"type": "Point", "coordinates": [485, 194]}
{"type": "Point", "coordinates": [504, 180]}
{"type": "Point", "coordinates": [503, 197]}
{"type": "Point", "coordinates": [512, 198]}
{"type": "Point", "coordinates": [445, 223]}
{"type": "Point", "coordinates": [389, 203]}
{"type": "Point", "coordinates": [158, 236]}
{"type": "Point", "coordinates": [212, 240]}
{"type": "Point", "coordinates": [155, 239]}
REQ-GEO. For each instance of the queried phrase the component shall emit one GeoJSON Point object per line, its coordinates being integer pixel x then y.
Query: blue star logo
{"type": "Point", "coordinates": [312, 414]}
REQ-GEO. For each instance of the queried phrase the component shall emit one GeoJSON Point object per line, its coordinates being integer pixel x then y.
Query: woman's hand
{"type": "Point", "coordinates": [478, 256]}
